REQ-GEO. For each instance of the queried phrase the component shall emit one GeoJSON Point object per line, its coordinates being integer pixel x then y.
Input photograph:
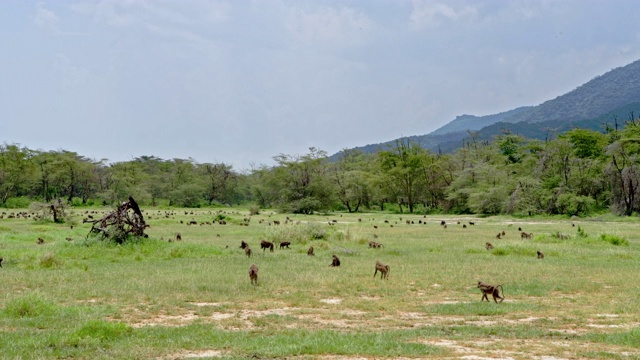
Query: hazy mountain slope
{"type": "Point", "coordinates": [616, 93]}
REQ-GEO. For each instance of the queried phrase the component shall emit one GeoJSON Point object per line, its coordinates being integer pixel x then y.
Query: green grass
{"type": "Point", "coordinates": [152, 298]}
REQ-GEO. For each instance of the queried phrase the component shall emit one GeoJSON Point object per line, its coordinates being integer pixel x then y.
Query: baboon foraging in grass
{"type": "Point", "coordinates": [264, 245]}
{"type": "Point", "coordinates": [1, 260]}
{"type": "Point", "coordinates": [253, 274]}
{"type": "Point", "coordinates": [335, 261]}
{"type": "Point", "coordinates": [375, 245]}
{"type": "Point", "coordinates": [247, 251]}
{"type": "Point", "coordinates": [310, 251]}
{"type": "Point", "coordinates": [489, 246]}
{"type": "Point", "coordinates": [243, 244]}
{"type": "Point", "coordinates": [285, 244]}
{"type": "Point", "coordinates": [178, 237]}
{"type": "Point", "coordinates": [464, 226]}
{"type": "Point", "coordinates": [471, 223]}
{"type": "Point", "coordinates": [384, 270]}
{"type": "Point", "coordinates": [503, 233]}
{"type": "Point", "coordinates": [540, 254]}
{"type": "Point", "coordinates": [498, 236]}
{"type": "Point", "coordinates": [40, 241]}
{"type": "Point", "coordinates": [487, 289]}
{"type": "Point", "coordinates": [443, 223]}
{"type": "Point", "coordinates": [524, 235]}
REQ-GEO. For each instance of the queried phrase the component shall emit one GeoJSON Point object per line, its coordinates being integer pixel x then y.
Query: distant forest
{"type": "Point", "coordinates": [579, 172]}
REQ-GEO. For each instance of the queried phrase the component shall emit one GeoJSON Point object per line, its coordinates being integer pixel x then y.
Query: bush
{"type": "Point", "coordinates": [17, 202]}
{"type": "Point", "coordinates": [30, 305]}
{"type": "Point", "coordinates": [614, 240]}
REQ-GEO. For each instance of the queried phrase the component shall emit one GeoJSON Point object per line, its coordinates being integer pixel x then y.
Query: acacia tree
{"type": "Point", "coordinates": [220, 181]}
{"type": "Point", "coordinates": [402, 169]}
{"type": "Point", "coordinates": [302, 182]}
{"type": "Point", "coordinates": [349, 174]}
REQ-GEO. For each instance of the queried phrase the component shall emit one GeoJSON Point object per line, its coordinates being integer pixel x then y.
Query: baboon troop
{"type": "Point", "coordinates": [243, 244]}
{"type": "Point", "coordinates": [247, 251]}
{"type": "Point", "coordinates": [374, 245]}
{"type": "Point", "coordinates": [285, 244]}
{"type": "Point", "coordinates": [488, 246]}
{"type": "Point", "coordinates": [487, 289]}
{"type": "Point", "coordinates": [335, 261]}
{"type": "Point", "coordinates": [264, 245]}
{"type": "Point", "coordinates": [384, 270]}
{"type": "Point", "coordinates": [253, 274]}
{"type": "Point", "coordinates": [540, 254]}
{"type": "Point", "coordinates": [310, 251]}
{"type": "Point", "coordinates": [524, 235]}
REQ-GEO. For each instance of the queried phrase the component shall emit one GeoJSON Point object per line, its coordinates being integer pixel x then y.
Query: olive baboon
{"type": "Point", "coordinates": [488, 246]}
{"type": "Point", "coordinates": [540, 254]}
{"type": "Point", "coordinates": [264, 245]}
{"type": "Point", "coordinates": [443, 223]}
{"type": "Point", "coordinates": [384, 270]}
{"type": "Point", "coordinates": [178, 237]}
{"type": "Point", "coordinates": [471, 223]}
{"type": "Point", "coordinates": [524, 235]}
{"type": "Point", "coordinates": [243, 244]}
{"type": "Point", "coordinates": [247, 251]}
{"type": "Point", "coordinates": [503, 233]}
{"type": "Point", "coordinates": [253, 274]}
{"type": "Point", "coordinates": [40, 241]}
{"type": "Point", "coordinates": [464, 226]}
{"type": "Point", "coordinates": [276, 222]}
{"type": "Point", "coordinates": [487, 289]}
{"type": "Point", "coordinates": [335, 261]}
{"type": "Point", "coordinates": [498, 236]}
{"type": "Point", "coordinates": [310, 251]}
{"type": "Point", "coordinates": [285, 244]}
{"type": "Point", "coordinates": [374, 244]}
{"type": "Point", "coordinates": [1, 260]}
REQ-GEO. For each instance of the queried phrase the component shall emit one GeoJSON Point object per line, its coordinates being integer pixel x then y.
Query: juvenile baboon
{"type": "Point", "coordinates": [243, 244]}
{"type": "Point", "coordinates": [264, 245]}
{"type": "Point", "coordinates": [487, 289]}
{"type": "Point", "coordinates": [178, 237]}
{"type": "Point", "coordinates": [285, 244]}
{"type": "Point", "coordinates": [384, 270]}
{"type": "Point", "coordinates": [247, 251]}
{"type": "Point", "coordinates": [488, 246]}
{"type": "Point", "coordinates": [310, 251]}
{"type": "Point", "coordinates": [540, 254]}
{"type": "Point", "coordinates": [335, 261]}
{"type": "Point", "coordinates": [40, 241]}
{"type": "Point", "coordinates": [253, 274]}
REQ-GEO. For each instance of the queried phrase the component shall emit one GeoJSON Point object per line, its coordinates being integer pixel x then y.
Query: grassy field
{"type": "Point", "coordinates": [162, 299]}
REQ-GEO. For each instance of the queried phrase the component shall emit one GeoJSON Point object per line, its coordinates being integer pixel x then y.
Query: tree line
{"type": "Point", "coordinates": [577, 173]}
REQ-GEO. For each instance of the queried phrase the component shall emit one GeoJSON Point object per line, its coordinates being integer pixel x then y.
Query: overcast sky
{"type": "Point", "coordinates": [242, 81]}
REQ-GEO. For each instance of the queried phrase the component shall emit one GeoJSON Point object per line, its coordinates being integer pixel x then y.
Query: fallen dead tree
{"type": "Point", "coordinates": [127, 220]}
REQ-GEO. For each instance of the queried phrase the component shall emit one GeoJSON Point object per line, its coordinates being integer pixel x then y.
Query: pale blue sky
{"type": "Point", "coordinates": [242, 81]}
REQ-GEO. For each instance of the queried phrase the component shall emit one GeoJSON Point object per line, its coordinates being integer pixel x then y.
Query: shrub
{"type": "Point", "coordinates": [614, 240]}
{"type": "Point", "coordinates": [30, 305]}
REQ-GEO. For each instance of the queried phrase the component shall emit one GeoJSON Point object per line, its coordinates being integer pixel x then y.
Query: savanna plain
{"type": "Point", "coordinates": [80, 297]}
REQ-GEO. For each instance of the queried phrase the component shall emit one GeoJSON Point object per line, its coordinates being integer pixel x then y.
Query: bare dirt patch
{"type": "Point", "coordinates": [193, 354]}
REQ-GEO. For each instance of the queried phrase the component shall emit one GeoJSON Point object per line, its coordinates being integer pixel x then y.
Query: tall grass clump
{"type": "Point", "coordinates": [614, 240]}
{"type": "Point", "coordinates": [28, 306]}
{"type": "Point", "coordinates": [296, 234]}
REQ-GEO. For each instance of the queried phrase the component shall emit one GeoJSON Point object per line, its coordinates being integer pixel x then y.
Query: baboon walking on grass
{"type": "Point", "coordinates": [487, 289]}
{"type": "Point", "coordinates": [384, 270]}
{"type": "Point", "coordinates": [253, 274]}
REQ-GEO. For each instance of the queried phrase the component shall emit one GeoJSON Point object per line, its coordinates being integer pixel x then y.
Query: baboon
{"type": "Point", "coordinates": [264, 245]}
{"type": "Point", "coordinates": [498, 236]}
{"type": "Point", "coordinates": [540, 254]}
{"type": "Point", "coordinates": [384, 270]}
{"type": "Point", "coordinates": [1, 260]}
{"type": "Point", "coordinates": [375, 226]}
{"type": "Point", "coordinates": [519, 228]}
{"type": "Point", "coordinates": [443, 223]}
{"type": "Point", "coordinates": [374, 244]}
{"type": "Point", "coordinates": [524, 235]}
{"type": "Point", "coordinates": [276, 222]}
{"type": "Point", "coordinates": [253, 274]}
{"type": "Point", "coordinates": [471, 223]}
{"type": "Point", "coordinates": [247, 251]}
{"type": "Point", "coordinates": [243, 245]}
{"type": "Point", "coordinates": [178, 237]}
{"type": "Point", "coordinates": [69, 239]}
{"type": "Point", "coordinates": [310, 251]}
{"type": "Point", "coordinates": [335, 261]}
{"type": "Point", "coordinates": [464, 226]}
{"type": "Point", "coordinates": [285, 244]}
{"type": "Point", "coordinates": [487, 289]}
{"type": "Point", "coordinates": [488, 246]}
{"type": "Point", "coordinates": [40, 241]}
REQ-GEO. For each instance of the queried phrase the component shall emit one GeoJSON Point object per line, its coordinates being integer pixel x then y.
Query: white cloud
{"type": "Point", "coordinates": [46, 18]}
{"type": "Point", "coordinates": [428, 13]}
{"type": "Point", "coordinates": [329, 25]}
